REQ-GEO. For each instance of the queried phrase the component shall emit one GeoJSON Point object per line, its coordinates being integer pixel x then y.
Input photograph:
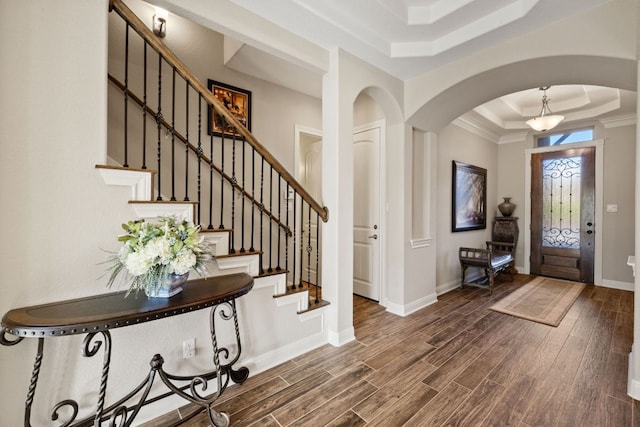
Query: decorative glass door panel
{"type": "Point", "coordinates": [561, 202]}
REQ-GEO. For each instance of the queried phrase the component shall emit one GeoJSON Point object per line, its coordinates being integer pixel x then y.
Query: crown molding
{"type": "Point", "coordinates": [467, 123]}
{"type": "Point", "coordinates": [513, 137]}
{"type": "Point", "coordinates": [615, 122]}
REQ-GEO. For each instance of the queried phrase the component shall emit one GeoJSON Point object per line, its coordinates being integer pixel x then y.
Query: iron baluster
{"type": "Point", "coordinates": [270, 269]}
{"type": "Point", "coordinates": [300, 285]}
{"type": "Point", "coordinates": [293, 240]}
{"type": "Point", "coordinates": [199, 154]}
{"type": "Point", "coordinates": [309, 249]}
{"type": "Point", "coordinates": [261, 210]}
{"type": "Point", "coordinates": [278, 268]}
{"type": "Point", "coordinates": [253, 196]}
{"type": "Point", "coordinates": [286, 236]}
{"type": "Point", "coordinates": [186, 143]}
{"type": "Point", "coordinates": [242, 250]}
{"type": "Point", "coordinates": [210, 226]}
{"type": "Point", "coordinates": [234, 181]}
{"type": "Point", "coordinates": [317, 255]}
{"type": "Point", "coordinates": [144, 109]}
{"type": "Point", "coordinates": [173, 136]}
{"type": "Point", "coordinates": [159, 125]}
{"type": "Point", "coordinates": [223, 124]}
{"type": "Point", "coordinates": [126, 97]}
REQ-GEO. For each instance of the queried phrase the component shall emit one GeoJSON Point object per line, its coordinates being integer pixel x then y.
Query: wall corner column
{"type": "Point", "coordinates": [337, 195]}
{"type": "Point", "coordinates": [633, 386]}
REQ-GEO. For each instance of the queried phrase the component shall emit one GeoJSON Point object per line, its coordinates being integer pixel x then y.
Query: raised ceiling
{"type": "Point", "coordinates": [407, 38]}
{"type": "Point", "coordinates": [504, 118]}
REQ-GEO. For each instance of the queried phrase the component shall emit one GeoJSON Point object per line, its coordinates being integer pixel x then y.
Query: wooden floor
{"type": "Point", "coordinates": [453, 363]}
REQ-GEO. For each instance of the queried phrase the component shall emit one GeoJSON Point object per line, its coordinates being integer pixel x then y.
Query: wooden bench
{"type": "Point", "coordinates": [497, 257]}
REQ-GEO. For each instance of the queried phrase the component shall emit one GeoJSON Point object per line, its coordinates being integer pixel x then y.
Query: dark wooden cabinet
{"type": "Point", "coordinates": [505, 229]}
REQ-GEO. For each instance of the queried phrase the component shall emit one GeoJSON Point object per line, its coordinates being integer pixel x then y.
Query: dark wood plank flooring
{"type": "Point", "coordinates": [452, 363]}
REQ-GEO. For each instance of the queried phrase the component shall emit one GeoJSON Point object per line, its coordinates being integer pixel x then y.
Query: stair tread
{"type": "Point", "coordinates": [266, 273]}
{"type": "Point", "coordinates": [237, 254]}
{"type": "Point", "coordinates": [313, 306]}
{"type": "Point", "coordinates": [215, 230]}
{"type": "Point", "coordinates": [123, 168]}
{"type": "Point", "coordinates": [305, 287]}
{"type": "Point", "coordinates": [148, 202]}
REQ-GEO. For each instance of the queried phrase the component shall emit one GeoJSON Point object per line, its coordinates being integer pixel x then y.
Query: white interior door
{"type": "Point", "coordinates": [366, 214]}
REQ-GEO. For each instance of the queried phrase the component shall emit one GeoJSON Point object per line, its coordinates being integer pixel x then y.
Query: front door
{"type": "Point", "coordinates": [563, 214]}
{"type": "Point", "coordinates": [366, 214]}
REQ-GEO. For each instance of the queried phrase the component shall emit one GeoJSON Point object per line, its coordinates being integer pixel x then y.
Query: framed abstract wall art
{"type": "Point", "coordinates": [469, 197]}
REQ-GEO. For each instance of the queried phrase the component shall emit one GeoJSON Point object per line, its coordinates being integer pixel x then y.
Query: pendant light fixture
{"type": "Point", "coordinates": [546, 120]}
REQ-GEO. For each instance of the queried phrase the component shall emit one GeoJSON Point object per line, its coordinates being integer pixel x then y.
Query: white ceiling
{"type": "Point", "coordinates": [506, 116]}
{"type": "Point", "coordinates": [407, 38]}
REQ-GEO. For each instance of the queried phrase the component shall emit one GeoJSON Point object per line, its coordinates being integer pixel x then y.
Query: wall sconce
{"type": "Point", "coordinates": [160, 22]}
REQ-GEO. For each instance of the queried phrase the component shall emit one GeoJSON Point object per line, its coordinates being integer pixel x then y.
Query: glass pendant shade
{"type": "Point", "coordinates": [547, 120]}
{"type": "Point", "coordinates": [544, 123]}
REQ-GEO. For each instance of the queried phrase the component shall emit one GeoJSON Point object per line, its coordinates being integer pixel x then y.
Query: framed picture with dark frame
{"type": "Point", "coordinates": [236, 100]}
{"type": "Point", "coordinates": [469, 197]}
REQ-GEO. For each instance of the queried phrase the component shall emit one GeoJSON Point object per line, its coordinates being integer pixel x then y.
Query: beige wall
{"type": "Point", "coordinates": [619, 189]}
{"type": "Point", "coordinates": [275, 109]}
{"type": "Point", "coordinates": [59, 215]}
{"type": "Point", "coordinates": [511, 183]}
{"type": "Point", "coordinates": [506, 178]}
{"type": "Point", "coordinates": [458, 144]}
{"type": "Point", "coordinates": [55, 205]}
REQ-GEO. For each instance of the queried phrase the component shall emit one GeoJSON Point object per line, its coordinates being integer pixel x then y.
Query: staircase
{"type": "Point", "coordinates": [223, 263]}
{"type": "Point", "coordinates": [229, 180]}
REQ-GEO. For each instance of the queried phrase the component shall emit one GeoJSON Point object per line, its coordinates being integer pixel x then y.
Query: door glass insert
{"type": "Point", "coordinates": [561, 202]}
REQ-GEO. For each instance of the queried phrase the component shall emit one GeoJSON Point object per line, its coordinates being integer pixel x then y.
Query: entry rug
{"type": "Point", "coordinates": [543, 300]}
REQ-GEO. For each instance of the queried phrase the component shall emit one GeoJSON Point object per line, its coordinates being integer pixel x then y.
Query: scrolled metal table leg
{"type": "Point", "coordinates": [218, 419]}
{"type": "Point", "coordinates": [34, 381]}
{"type": "Point", "coordinates": [6, 341]}
{"type": "Point", "coordinates": [106, 361]}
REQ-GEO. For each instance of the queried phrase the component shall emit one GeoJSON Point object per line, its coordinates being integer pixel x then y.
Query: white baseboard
{"type": "Point", "coordinates": [447, 287]}
{"type": "Point", "coordinates": [614, 284]}
{"type": "Point", "coordinates": [633, 385]}
{"type": "Point", "coordinates": [472, 274]}
{"type": "Point", "coordinates": [412, 307]}
{"type": "Point", "coordinates": [280, 355]}
{"type": "Point", "coordinates": [256, 365]}
{"type": "Point", "coordinates": [338, 339]}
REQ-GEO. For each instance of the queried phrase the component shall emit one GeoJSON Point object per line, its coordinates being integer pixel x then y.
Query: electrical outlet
{"type": "Point", "coordinates": [188, 348]}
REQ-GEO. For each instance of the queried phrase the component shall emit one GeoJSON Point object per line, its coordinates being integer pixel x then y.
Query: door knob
{"type": "Point", "coordinates": [373, 236]}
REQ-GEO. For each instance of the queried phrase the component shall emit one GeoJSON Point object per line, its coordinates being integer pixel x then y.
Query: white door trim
{"type": "Point", "coordinates": [381, 124]}
{"type": "Point", "coordinates": [599, 145]}
{"type": "Point", "coordinates": [298, 130]}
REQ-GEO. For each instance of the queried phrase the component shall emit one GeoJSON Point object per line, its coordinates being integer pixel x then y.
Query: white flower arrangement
{"type": "Point", "coordinates": [152, 252]}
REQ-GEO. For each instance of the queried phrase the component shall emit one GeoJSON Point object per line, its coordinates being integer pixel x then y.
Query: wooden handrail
{"type": "Point", "coordinates": [144, 32]}
{"type": "Point", "coordinates": [204, 158]}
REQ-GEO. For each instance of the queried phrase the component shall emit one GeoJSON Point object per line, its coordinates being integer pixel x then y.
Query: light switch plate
{"type": "Point", "coordinates": [612, 208]}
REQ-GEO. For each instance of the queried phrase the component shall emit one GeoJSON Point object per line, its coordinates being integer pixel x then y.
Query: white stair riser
{"type": "Point", "coordinates": [218, 242]}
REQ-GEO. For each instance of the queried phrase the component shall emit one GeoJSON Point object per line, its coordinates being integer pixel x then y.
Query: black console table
{"type": "Point", "coordinates": [95, 316]}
